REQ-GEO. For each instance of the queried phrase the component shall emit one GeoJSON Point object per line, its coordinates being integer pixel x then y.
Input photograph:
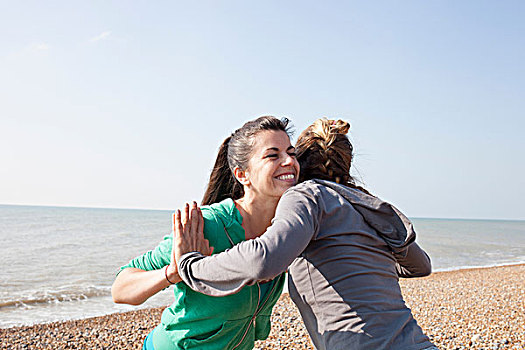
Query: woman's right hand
{"type": "Point", "coordinates": [134, 286]}
{"type": "Point", "coordinates": [188, 236]}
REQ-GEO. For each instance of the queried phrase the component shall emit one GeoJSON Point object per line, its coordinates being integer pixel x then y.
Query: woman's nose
{"type": "Point", "coordinates": [288, 160]}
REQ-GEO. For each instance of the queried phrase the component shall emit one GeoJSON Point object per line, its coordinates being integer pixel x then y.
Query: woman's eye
{"type": "Point", "coordinates": [271, 156]}
{"type": "Point", "coordinates": [292, 154]}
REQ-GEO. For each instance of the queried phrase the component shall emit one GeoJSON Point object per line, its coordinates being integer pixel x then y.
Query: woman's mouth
{"type": "Point", "coordinates": [286, 177]}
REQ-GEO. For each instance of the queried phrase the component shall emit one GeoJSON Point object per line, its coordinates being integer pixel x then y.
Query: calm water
{"type": "Point", "coordinates": [59, 263]}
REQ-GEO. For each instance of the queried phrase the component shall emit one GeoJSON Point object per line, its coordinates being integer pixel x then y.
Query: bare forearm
{"type": "Point", "coordinates": [134, 286]}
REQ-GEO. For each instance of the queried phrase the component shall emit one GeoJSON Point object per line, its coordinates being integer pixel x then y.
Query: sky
{"type": "Point", "coordinates": [123, 104]}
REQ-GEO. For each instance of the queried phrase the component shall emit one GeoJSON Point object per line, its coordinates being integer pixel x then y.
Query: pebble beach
{"type": "Point", "coordinates": [482, 308]}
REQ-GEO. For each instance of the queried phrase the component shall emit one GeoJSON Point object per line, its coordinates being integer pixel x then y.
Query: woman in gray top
{"type": "Point", "coordinates": [344, 249]}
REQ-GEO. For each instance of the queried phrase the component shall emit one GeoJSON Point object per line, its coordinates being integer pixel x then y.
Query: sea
{"type": "Point", "coordinates": [58, 263]}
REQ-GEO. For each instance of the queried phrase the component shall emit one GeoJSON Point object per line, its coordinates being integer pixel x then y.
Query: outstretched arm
{"type": "Point", "coordinates": [134, 286]}
{"type": "Point", "coordinates": [258, 259]}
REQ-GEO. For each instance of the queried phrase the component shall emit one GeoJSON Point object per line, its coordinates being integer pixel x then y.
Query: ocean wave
{"type": "Point", "coordinates": [470, 267]}
{"type": "Point", "coordinates": [63, 294]}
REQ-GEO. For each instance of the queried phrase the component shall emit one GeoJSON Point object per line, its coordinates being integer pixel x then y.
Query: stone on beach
{"type": "Point", "coordinates": [465, 309]}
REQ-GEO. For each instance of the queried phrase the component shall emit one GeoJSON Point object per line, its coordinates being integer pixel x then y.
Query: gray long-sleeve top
{"type": "Point", "coordinates": [345, 250]}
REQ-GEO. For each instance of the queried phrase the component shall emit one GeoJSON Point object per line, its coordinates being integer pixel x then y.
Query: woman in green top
{"type": "Point", "coordinates": [254, 167]}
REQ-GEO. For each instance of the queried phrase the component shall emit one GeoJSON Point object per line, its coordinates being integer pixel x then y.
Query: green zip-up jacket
{"type": "Point", "coordinates": [198, 321]}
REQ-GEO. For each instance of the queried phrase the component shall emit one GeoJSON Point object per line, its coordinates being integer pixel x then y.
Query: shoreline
{"type": "Point", "coordinates": [438, 271]}
{"type": "Point", "coordinates": [453, 269]}
{"type": "Point", "coordinates": [478, 267]}
{"type": "Point", "coordinates": [480, 307]}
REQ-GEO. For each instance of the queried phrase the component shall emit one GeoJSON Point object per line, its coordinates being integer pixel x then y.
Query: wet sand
{"type": "Point", "coordinates": [464, 309]}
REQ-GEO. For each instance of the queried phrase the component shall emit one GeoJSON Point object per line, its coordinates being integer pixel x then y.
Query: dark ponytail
{"type": "Point", "coordinates": [222, 183]}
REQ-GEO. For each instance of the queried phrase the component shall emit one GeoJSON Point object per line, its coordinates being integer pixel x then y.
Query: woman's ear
{"type": "Point", "coordinates": [241, 176]}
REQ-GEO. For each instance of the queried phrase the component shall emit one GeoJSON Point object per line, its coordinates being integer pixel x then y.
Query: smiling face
{"type": "Point", "coordinates": [272, 168]}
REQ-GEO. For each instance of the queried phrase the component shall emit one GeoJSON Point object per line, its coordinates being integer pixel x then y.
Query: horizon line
{"type": "Point", "coordinates": [163, 209]}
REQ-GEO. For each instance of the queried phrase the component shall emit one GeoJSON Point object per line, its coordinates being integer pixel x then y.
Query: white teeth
{"type": "Point", "coordinates": [286, 177]}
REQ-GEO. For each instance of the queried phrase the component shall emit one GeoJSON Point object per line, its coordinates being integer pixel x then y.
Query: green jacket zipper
{"type": "Point", "coordinates": [257, 309]}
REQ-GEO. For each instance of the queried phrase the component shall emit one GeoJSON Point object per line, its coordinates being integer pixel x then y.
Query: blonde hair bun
{"type": "Point", "coordinates": [328, 129]}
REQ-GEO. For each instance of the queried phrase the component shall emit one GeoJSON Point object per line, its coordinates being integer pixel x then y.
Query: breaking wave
{"type": "Point", "coordinates": [66, 294]}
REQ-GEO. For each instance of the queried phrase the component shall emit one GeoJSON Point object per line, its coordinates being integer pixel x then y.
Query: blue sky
{"type": "Point", "coordinates": [124, 103]}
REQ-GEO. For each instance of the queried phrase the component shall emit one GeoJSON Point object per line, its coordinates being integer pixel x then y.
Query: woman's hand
{"type": "Point", "coordinates": [134, 286]}
{"type": "Point", "coordinates": [188, 236]}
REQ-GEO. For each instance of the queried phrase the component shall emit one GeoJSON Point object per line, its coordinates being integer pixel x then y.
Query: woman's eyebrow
{"type": "Point", "coordinates": [277, 149]}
